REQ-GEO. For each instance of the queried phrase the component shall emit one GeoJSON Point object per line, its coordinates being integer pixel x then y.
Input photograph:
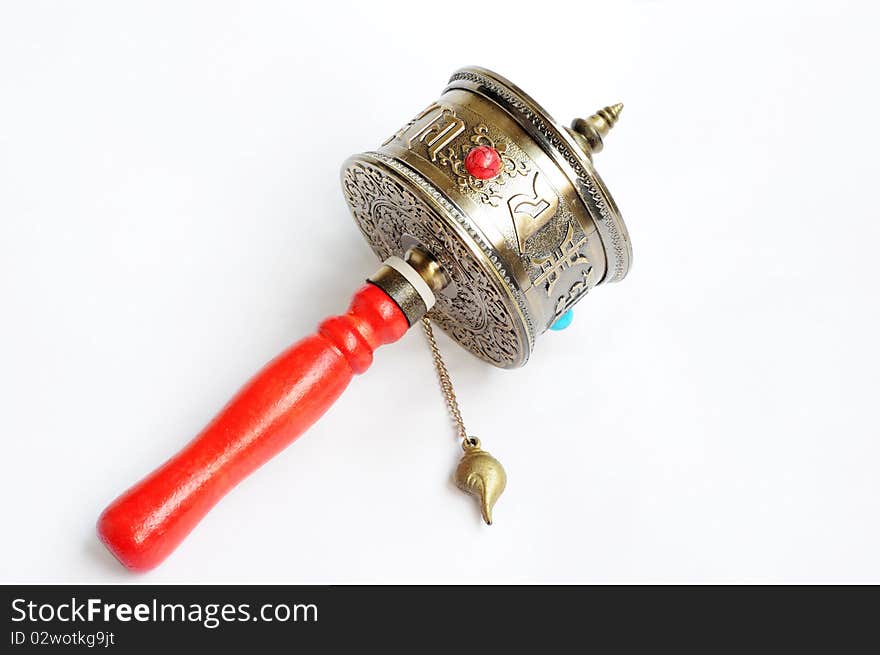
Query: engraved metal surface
{"type": "Point", "coordinates": [523, 246]}
{"type": "Point", "coordinates": [536, 225]}
{"type": "Point", "coordinates": [393, 210]}
{"type": "Point", "coordinates": [590, 186]}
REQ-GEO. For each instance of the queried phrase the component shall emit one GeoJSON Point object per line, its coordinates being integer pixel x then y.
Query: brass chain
{"type": "Point", "coordinates": [477, 473]}
{"type": "Point", "coordinates": [445, 381]}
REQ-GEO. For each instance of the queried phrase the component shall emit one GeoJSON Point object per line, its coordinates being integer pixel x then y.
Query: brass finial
{"type": "Point", "coordinates": [589, 132]}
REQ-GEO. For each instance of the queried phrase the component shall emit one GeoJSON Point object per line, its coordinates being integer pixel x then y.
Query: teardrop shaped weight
{"type": "Point", "coordinates": [481, 475]}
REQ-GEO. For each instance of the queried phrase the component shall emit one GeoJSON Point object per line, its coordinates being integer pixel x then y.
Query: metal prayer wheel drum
{"type": "Point", "coordinates": [507, 202]}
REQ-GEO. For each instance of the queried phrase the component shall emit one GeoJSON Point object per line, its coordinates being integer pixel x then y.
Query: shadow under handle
{"type": "Point", "coordinates": [147, 522]}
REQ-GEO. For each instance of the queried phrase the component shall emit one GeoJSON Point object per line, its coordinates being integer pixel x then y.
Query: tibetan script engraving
{"type": "Point", "coordinates": [562, 258]}
{"type": "Point", "coordinates": [440, 131]}
{"type": "Point", "coordinates": [532, 212]}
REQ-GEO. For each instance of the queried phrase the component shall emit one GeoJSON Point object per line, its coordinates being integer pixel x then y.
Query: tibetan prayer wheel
{"type": "Point", "coordinates": [490, 220]}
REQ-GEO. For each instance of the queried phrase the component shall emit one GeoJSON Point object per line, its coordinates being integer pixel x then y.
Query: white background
{"type": "Point", "coordinates": [170, 218]}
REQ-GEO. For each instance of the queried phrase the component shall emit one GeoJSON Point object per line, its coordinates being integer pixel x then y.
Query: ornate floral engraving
{"type": "Point", "coordinates": [437, 127]}
{"type": "Point", "coordinates": [480, 315]}
{"type": "Point", "coordinates": [488, 191]}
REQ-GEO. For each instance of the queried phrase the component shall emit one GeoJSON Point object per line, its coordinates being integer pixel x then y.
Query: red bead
{"type": "Point", "coordinates": [483, 162]}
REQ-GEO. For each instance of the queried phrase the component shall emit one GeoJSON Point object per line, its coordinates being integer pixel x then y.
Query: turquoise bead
{"type": "Point", "coordinates": [563, 321]}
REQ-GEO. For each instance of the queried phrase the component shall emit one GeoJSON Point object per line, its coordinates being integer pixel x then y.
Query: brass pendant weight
{"type": "Point", "coordinates": [477, 473]}
{"type": "Point", "coordinates": [480, 475]}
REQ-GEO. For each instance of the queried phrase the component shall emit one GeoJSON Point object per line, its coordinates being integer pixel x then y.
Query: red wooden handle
{"type": "Point", "coordinates": [148, 521]}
